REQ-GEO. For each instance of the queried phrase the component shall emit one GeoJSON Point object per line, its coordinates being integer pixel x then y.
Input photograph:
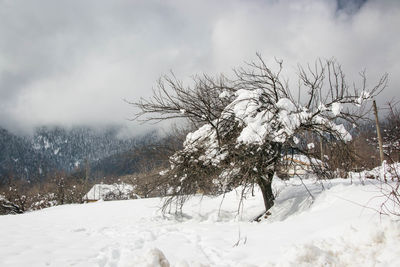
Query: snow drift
{"type": "Point", "coordinates": [331, 223]}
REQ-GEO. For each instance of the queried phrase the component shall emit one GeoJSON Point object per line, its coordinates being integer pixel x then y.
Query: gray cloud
{"type": "Point", "coordinates": [72, 62]}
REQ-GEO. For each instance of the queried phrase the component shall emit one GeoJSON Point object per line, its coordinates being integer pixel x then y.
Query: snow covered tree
{"type": "Point", "coordinates": [247, 124]}
{"type": "Point", "coordinates": [8, 207]}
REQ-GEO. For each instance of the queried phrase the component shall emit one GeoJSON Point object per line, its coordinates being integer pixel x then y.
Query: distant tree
{"type": "Point", "coordinates": [19, 195]}
{"type": "Point", "coordinates": [365, 147]}
{"type": "Point", "coordinates": [247, 124]}
{"type": "Point", "coordinates": [390, 128]}
{"type": "Point", "coordinates": [66, 190]}
{"type": "Point", "coordinates": [391, 132]}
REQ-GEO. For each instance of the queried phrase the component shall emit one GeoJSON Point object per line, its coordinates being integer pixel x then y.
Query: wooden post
{"type": "Point", "coordinates": [321, 149]}
{"type": "Point", "coordinates": [378, 132]}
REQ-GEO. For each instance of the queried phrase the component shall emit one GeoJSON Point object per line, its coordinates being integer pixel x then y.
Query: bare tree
{"type": "Point", "coordinates": [390, 188]}
{"type": "Point", "coordinates": [391, 132]}
{"type": "Point", "coordinates": [20, 195]}
{"type": "Point", "coordinates": [246, 125]}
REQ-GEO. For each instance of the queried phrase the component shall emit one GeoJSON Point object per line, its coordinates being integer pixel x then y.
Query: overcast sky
{"type": "Point", "coordinates": [73, 62]}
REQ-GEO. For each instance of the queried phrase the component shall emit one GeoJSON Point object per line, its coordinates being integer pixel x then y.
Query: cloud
{"type": "Point", "coordinates": [73, 62]}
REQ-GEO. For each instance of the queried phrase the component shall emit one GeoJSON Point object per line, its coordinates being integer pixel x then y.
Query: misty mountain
{"type": "Point", "coordinates": [147, 155]}
{"type": "Point", "coordinates": [19, 159]}
{"type": "Point", "coordinates": [52, 149]}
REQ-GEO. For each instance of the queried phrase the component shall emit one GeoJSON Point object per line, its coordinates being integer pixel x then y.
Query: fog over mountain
{"type": "Point", "coordinates": [56, 149]}
{"type": "Point", "coordinates": [74, 62]}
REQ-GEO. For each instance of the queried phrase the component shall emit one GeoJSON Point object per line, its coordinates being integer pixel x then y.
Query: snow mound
{"type": "Point", "coordinates": [373, 246]}
{"type": "Point", "coordinates": [386, 171]}
{"type": "Point", "coordinates": [153, 258]}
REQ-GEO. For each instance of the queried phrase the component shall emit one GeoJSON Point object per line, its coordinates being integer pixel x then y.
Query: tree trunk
{"type": "Point", "coordinates": [266, 189]}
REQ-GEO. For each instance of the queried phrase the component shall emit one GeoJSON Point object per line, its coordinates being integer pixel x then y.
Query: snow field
{"type": "Point", "coordinates": [338, 226]}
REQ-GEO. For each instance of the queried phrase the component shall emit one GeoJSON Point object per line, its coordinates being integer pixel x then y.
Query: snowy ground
{"type": "Point", "coordinates": [334, 229]}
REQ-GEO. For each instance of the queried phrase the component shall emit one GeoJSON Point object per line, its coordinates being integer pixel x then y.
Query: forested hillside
{"type": "Point", "coordinates": [51, 149]}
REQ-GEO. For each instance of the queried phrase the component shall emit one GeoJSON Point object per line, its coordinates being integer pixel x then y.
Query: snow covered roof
{"type": "Point", "coordinates": [99, 191]}
{"type": "Point", "coordinates": [302, 159]}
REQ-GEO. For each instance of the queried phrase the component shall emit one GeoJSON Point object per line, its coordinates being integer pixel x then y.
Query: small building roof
{"type": "Point", "coordinates": [99, 191]}
{"type": "Point", "coordinates": [303, 160]}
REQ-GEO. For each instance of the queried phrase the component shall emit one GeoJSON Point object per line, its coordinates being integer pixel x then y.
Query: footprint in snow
{"type": "Point", "coordinates": [108, 257]}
